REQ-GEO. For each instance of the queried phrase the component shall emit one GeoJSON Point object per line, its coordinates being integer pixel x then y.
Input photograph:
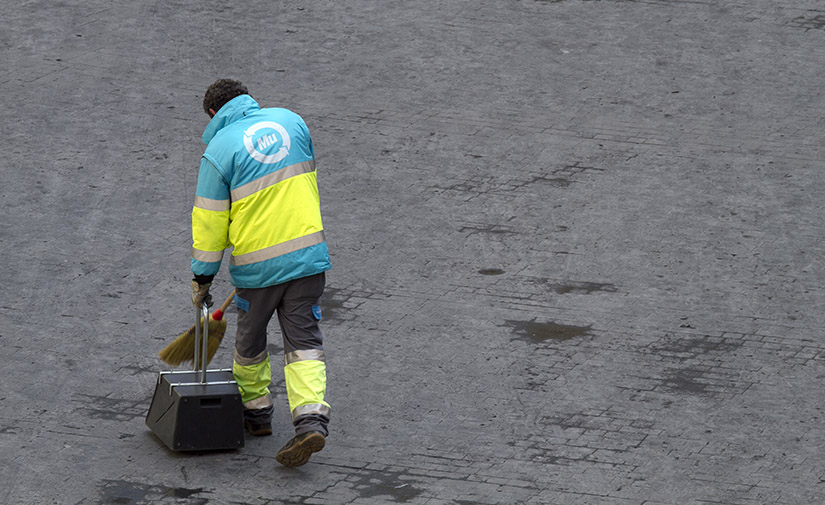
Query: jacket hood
{"type": "Point", "coordinates": [231, 111]}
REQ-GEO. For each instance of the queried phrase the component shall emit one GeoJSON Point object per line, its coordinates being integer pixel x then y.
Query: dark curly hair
{"type": "Point", "coordinates": [220, 92]}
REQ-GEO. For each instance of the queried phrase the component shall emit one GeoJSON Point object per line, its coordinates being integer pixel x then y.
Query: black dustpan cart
{"type": "Point", "coordinates": [197, 410]}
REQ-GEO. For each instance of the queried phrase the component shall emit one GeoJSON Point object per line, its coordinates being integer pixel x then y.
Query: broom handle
{"type": "Point", "coordinates": [202, 337]}
{"type": "Point", "coordinates": [222, 309]}
{"type": "Point", "coordinates": [227, 302]}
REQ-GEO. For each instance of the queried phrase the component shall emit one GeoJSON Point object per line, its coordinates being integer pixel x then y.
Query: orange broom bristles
{"type": "Point", "coordinates": [182, 349]}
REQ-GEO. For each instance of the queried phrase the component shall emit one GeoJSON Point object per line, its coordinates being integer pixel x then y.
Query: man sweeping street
{"type": "Point", "coordinates": [257, 193]}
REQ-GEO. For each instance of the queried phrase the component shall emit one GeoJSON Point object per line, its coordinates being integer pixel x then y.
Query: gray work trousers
{"type": "Point", "coordinates": [297, 305]}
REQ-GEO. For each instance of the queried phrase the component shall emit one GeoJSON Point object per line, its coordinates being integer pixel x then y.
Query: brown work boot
{"type": "Point", "coordinates": [297, 451]}
{"type": "Point", "coordinates": [258, 429]}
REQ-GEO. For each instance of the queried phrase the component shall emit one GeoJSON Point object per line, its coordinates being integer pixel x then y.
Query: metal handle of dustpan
{"type": "Point", "coordinates": [201, 341]}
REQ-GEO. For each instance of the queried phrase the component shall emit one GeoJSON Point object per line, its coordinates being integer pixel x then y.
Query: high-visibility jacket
{"type": "Point", "coordinates": [257, 193]}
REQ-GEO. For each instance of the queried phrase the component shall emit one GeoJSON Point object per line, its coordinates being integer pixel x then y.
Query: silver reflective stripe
{"type": "Point", "coordinates": [287, 247]}
{"type": "Point", "coordinates": [311, 409]}
{"type": "Point", "coordinates": [306, 355]}
{"type": "Point", "coordinates": [260, 358]}
{"type": "Point", "coordinates": [210, 204]}
{"type": "Point", "coordinates": [259, 403]}
{"type": "Point", "coordinates": [272, 179]}
{"type": "Point", "coordinates": [207, 256]}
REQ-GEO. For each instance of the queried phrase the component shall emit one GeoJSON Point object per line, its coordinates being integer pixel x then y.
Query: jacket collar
{"type": "Point", "coordinates": [232, 111]}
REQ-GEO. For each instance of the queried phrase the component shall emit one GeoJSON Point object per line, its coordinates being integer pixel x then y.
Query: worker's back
{"type": "Point", "coordinates": [261, 163]}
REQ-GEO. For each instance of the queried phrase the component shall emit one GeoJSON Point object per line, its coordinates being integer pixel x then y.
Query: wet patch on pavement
{"type": "Point", "coordinates": [809, 22]}
{"type": "Point", "coordinates": [682, 348]}
{"type": "Point", "coordinates": [686, 380]}
{"type": "Point", "coordinates": [121, 492]}
{"type": "Point", "coordinates": [582, 288]}
{"type": "Point", "coordinates": [697, 370]}
{"type": "Point", "coordinates": [12, 430]}
{"type": "Point", "coordinates": [536, 332]}
{"type": "Point", "coordinates": [111, 408]}
{"type": "Point", "coordinates": [384, 484]}
{"type": "Point", "coordinates": [332, 303]}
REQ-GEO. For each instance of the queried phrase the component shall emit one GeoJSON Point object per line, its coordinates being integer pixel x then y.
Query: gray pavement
{"type": "Point", "coordinates": [577, 247]}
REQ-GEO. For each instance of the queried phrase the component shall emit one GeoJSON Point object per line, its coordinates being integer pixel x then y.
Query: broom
{"type": "Point", "coordinates": [182, 349]}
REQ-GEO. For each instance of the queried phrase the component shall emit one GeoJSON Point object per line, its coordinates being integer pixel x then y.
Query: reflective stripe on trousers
{"type": "Point", "coordinates": [253, 376]}
{"type": "Point", "coordinates": [306, 382]}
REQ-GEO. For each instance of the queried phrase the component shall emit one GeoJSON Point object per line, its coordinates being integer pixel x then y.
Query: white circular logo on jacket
{"type": "Point", "coordinates": [267, 142]}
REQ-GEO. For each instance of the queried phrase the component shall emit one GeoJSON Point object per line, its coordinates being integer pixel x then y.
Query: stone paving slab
{"type": "Point", "coordinates": [576, 248]}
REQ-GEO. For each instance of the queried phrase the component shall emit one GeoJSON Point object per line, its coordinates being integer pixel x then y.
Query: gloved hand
{"type": "Point", "coordinates": [200, 294]}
